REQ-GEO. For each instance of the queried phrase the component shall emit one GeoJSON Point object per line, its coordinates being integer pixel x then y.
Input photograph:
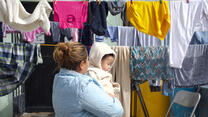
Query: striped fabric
{"type": "Point", "coordinates": [17, 62]}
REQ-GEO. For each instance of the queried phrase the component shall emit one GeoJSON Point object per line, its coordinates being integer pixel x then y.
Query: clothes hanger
{"type": "Point", "coordinates": [54, 1]}
{"type": "Point", "coordinates": [97, 1]}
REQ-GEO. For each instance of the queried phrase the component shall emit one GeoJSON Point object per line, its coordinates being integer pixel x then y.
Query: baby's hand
{"type": "Point", "coordinates": [111, 95]}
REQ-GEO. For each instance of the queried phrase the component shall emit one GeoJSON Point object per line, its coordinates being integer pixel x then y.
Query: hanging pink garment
{"type": "Point", "coordinates": [30, 36]}
{"type": "Point", "coordinates": [70, 14]}
{"type": "Point", "coordinates": [27, 36]}
{"type": "Point", "coordinates": [75, 34]}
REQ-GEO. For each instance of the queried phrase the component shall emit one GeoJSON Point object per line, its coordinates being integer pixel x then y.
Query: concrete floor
{"type": "Point", "coordinates": [38, 114]}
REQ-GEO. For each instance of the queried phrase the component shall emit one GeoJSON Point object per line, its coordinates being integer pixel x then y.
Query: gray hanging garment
{"type": "Point", "coordinates": [116, 7]}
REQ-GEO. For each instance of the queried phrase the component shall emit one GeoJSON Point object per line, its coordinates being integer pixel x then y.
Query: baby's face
{"type": "Point", "coordinates": [107, 62]}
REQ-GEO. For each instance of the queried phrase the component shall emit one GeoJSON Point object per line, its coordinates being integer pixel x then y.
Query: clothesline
{"type": "Point", "coordinates": [102, 0]}
{"type": "Point", "coordinates": [48, 44]}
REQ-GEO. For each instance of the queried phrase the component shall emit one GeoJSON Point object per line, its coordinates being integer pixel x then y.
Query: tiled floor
{"type": "Point", "coordinates": [38, 114]}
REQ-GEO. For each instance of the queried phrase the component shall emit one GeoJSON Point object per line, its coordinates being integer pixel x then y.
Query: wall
{"type": "Point", "coordinates": [6, 106]}
{"type": "Point", "coordinates": [6, 102]}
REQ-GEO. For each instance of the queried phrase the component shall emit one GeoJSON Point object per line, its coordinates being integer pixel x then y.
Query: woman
{"type": "Point", "coordinates": [76, 94]}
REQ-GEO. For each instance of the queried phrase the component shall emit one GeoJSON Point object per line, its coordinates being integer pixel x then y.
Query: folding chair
{"type": "Point", "coordinates": [186, 99]}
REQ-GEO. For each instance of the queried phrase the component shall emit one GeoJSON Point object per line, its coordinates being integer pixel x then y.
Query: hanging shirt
{"type": "Point", "coordinates": [14, 14]}
{"type": "Point", "coordinates": [70, 14]}
{"type": "Point", "coordinates": [185, 20]}
{"type": "Point", "coordinates": [149, 17]}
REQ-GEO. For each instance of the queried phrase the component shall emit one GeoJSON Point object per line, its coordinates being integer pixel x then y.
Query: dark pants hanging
{"type": "Point", "coordinates": [1, 33]}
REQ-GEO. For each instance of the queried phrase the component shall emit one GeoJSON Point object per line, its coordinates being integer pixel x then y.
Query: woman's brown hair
{"type": "Point", "coordinates": [69, 55]}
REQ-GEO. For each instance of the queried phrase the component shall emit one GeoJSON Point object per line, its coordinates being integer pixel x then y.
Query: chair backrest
{"type": "Point", "coordinates": [186, 99]}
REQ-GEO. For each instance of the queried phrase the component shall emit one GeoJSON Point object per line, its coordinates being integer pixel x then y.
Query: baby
{"type": "Point", "coordinates": [101, 59]}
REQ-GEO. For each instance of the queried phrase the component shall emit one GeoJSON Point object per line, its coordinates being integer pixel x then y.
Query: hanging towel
{"type": "Point", "coordinates": [127, 36]}
{"type": "Point", "coordinates": [148, 40]}
{"type": "Point", "coordinates": [121, 74]}
{"type": "Point", "coordinates": [150, 63]}
{"type": "Point", "coordinates": [116, 7]}
{"type": "Point", "coordinates": [185, 20]}
{"type": "Point", "coordinates": [149, 17]}
{"type": "Point", "coordinates": [194, 71]}
{"type": "Point", "coordinates": [14, 14]}
{"type": "Point", "coordinates": [15, 73]}
{"type": "Point", "coordinates": [97, 20]}
{"type": "Point", "coordinates": [70, 14]}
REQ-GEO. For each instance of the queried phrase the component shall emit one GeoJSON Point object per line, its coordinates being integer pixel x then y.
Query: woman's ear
{"type": "Point", "coordinates": [82, 65]}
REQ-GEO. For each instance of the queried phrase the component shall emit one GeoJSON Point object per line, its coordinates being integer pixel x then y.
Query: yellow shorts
{"type": "Point", "coordinates": [150, 17]}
